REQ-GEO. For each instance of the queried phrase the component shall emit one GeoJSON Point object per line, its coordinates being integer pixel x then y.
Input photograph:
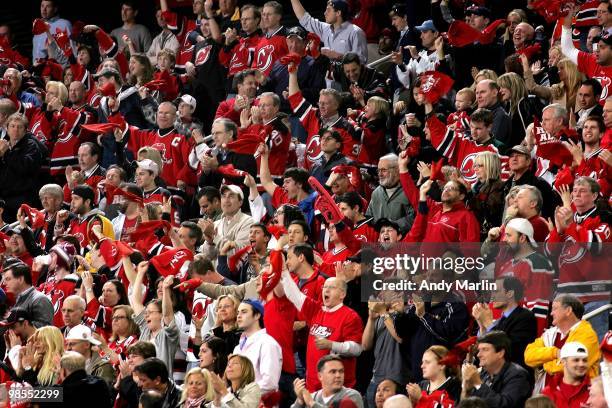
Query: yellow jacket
{"type": "Point", "coordinates": [542, 353]}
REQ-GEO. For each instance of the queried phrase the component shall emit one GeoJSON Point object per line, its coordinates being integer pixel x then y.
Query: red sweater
{"type": "Point", "coordinates": [457, 225]}
{"type": "Point", "coordinates": [565, 395]}
{"type": "Point", "coordinates": [338, 324]}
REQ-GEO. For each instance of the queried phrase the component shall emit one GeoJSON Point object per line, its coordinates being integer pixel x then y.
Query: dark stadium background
{"type": "Point", "coordinates": [106, 14]}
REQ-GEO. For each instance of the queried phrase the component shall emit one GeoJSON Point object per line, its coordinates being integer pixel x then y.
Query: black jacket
{"type": "Point", "coordinates": [371, 81]}
{"type": "Point", "coordinates": [322, 171]}
{"type": "Point", "coordinates": [550, 197]}
{"type": "Point", "coordinates": [19, 167]}
{"type": "Point", "coordinates": [81, 389]}
{"type": "Point", "coordinates": [521, 327]}
{"type": "Point", "coordinates": [444, 323]}
{"type": "Point", "coordinates": [502, 125]}
{"type": "Point", "coordinates": [510, 388]}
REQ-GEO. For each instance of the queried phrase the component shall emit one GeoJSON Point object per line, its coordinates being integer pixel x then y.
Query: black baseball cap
{"type": "Point", "coordinates": [605, 37]}
{"type": "Point", "coordinates": [385, 222]}
{"type": "Point", "coordinates": [297, 31]}
{"type": "Point", "coordinates": [17, 314]}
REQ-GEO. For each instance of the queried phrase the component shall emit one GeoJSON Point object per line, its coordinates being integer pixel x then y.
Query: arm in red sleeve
{"type": "Point", "coordinates": [410, 189]}
{"type": "Point", "coordinates": [347, 237]}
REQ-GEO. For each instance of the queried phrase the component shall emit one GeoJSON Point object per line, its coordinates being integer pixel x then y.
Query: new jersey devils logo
{"type": "Point", "coordinates": [605, 83]}
{"type": "Point", "coordinates": [313, 149]}
{"type": "Point", "coordinates": [467, 168]}
{"type": "Point", "coordinates": [202, 55]}
{"type": "Point", "coordinates": [162, 150]}
{"type": "Point", "coordinates": [264, 57]}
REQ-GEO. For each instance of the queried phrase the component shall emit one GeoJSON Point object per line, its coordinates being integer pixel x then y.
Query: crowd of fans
{"type": "Point", "coordinates": [182, 215]}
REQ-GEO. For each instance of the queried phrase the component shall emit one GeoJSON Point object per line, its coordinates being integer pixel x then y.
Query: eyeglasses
{"type": "Point", "coordinates": [148, 312]}
{"type": "Point", "coordinates": [383, 170]}
{"type": "Point", "coordinates": [117, 318]}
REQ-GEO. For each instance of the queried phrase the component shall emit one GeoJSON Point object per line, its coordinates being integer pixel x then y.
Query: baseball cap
{"type": "Point", "coordinates": [524, 227]}
{"type": "Point", "coordinates": [148, 164]}
{"type": "Point", "coordinates": [233, 188]}
{"type": "Point", "coordinates": [605, 37]}
{"type": "Point", "coordinates": [85, 192]}
{"type": "Point", "coordinates": [521, 149]}
{"type": "Point", "coordinates": [479, 11]}
{"type": "Point", "coordinates": [427, 25]}
{"type": "Point", "coordinates": [189, 100]}
{"type": "Point", "coordinates": [574, 349]}
{"type": "Point", "coordinates": [297, 31]}
{"type": "Point", "coordinates": [255, 304]}
{"type": "Point", "coordinates": [13, 230]}
{"type": "Point", "coordinates": [17, 314]}
{"type": "Point", "coordinates": [385, 222]}
{"type": "Point", "coordinates": [82, 332]}
{"type": "Point", "coordinates": [108, 72]}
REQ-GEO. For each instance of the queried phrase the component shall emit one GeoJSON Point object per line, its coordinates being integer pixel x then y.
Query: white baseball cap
{"type": "Point", "coordinates": [189, 100]}
{"type": "Point", "coordinates": [574, 349]}
{"type": "Point", "coordinates": [523, 226]}
{"type": "Point", "coordinates": [234, 189]}
{"type": "Point", "coordinates": [82, 332]}
{"type": "Point", "coordinates": [148, 164]}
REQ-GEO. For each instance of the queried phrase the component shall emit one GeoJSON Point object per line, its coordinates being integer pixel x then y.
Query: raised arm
{"type": "Point", "coordinates": [298, 9]}
{"type": "Point", "coordinates": [167, 311]}
{"type": "Point", "coordinates": [137, 295]}
{"type": "Point", "coordinates": [567, 45]}
{"type": "Point", "coordinates": [264, 170]}
{"type": "Point", "coordinates": [294, 87]}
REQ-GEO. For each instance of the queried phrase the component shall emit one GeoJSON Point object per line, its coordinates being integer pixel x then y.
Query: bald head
{"type": "Point", "coordinates": [166, 115]}
{"type": "Point", "coordinates": [523, 33]}
{"type": "Point", "coordinates": [487, 92]}
{"type": "Point", "coordinates": [398, 401]}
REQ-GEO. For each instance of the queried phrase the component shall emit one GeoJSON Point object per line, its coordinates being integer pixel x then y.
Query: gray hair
{"type": "Point", "coordinates": [275, 98]}
{"type": "Point", "coordinates": [53, 190]}
{"type": "Point", "coordinates": [229, 126]}
{"type": "Point", "coordinates": [72, 361]}
{"type": "Point", "coordinates": [80, 301]}
{"type": "Point", "coordinates": [559, 111]}
{"type": "Point", "coordinates": [536, 195]}
{"type": "Point", "coordinates": [391, 157]}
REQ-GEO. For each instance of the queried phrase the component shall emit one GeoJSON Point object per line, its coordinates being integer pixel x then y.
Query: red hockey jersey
{"type": "Point", "coordinates": [460, 149]}
{"type": "Point", "coordinates": [269, 49]}
{"type": "Point", "coordinates": [584, 269]}
{"type": "Point", "coordinates": [241, 56]}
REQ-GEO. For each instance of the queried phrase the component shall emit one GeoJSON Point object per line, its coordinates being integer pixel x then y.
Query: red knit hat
{"type": "Point", "coordinates": [65, 252]}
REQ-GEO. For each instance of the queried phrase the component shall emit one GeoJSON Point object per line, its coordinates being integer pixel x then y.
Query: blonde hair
{"type": "Point", "coordinates": [491, 164]}
{"type": "Point", "coordinates": [517, 87]}
{"type": "Point", "coordinates": [486, 74]}
{"type": "Point", "coordinates": [168, 53]}
{"type": "Point", "coordinates": [234, 301]}
{"type": "Point", "coordinates": [247, 373]}
{"type": "Point", "coordinates": [381, 106]}
{"type": "Point", "coordinates": [469, 92]}
{"type": "Point", "coordinates": [210, 391]}
{"type": "Point", "coordinates": [61, 89]}
{"type": "Point", "coordinates": [572, 82]}
{"type": "Point", "coordinates": [151, 153]}
{"type": "Point", "coordinates": [53, 340]}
